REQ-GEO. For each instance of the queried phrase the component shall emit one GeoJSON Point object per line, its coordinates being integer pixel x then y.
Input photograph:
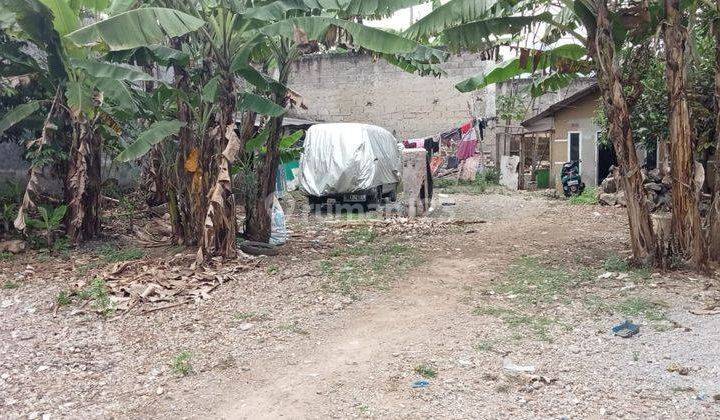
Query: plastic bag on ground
{"type": "Point", "coordinates": [278, 230]}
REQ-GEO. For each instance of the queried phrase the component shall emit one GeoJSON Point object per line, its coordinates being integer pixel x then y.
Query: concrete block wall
{"type": "Point", "coordinates": [357, 88]}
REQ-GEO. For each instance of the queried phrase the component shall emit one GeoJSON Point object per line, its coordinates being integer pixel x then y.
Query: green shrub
{"type": "Point", "coordinates": [589, 196]}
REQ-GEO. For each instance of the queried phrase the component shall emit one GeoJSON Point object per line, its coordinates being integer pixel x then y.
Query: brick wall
{"type": "Point", "coordinates": [354, 88]}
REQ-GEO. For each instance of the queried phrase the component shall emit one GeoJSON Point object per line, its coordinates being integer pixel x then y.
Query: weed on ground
{"type": "Point", "coordinates": [530, 281]}
{"type": "Point", "coordinates": [181, 365]}
{"type": "Point", "coordinates": [366, 260]}
{"type": "Point", "coordinates": [537, 325]}
{"type": "Point", "coordinates": [588, 197]}
{"type": "Point", "coordinates": [425, 370]}
{"type": "Point", "coordinates": [114, 254]}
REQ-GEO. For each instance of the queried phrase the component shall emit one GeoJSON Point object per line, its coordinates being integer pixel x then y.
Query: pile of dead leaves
{"type": "Point", "coordinates": [151, 285]}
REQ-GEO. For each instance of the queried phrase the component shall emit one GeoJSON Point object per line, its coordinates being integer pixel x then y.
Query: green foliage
{"type": "Point", "coordinates": [63, 298]}
{"type": "Point", "coordinates": [137, 28]}
{"type": "Point", "coordinates": [492, 176]}
{"type": "Point", "coordinates": [640, 306]}
{"type": "Point", "coordinates": [50, 219]}
{"type": "Point", "coordinates": [538, 325]}
{"type": "Point", "coordinates": [18, 114]}
{"type": "Point", "coordinates": [114, 254]}
{"type": "Point", "coordinates": [588, 197]}
{"type": "Point", "coordinates": [542, 59]}
{"type": "Point", "coordinates": [454, 186]}
{"type": "Point", "coordinates": [365, 261]}
{"type": "Point", "coordinates": [157, 132]}
{"type": "Point", "coordinates": [10, 285]}
{"type": "Point", "coordinates": [615, 263]}
{"type": "Point", "coordinates": [181, 365]}
{"type": "Point", "coordinates": [528, 280]}
{"type": "Point", "coordinates": [510, 107]}
{"type": "Point", "coordinates": [97, 292]}
{"type": "Point", "coordinates": [425, 370]}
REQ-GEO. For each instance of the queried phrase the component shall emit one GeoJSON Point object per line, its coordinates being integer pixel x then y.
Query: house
{"type": "Point", "coordinates": [574, 135]}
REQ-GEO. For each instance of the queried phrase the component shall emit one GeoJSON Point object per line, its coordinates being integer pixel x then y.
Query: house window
{"type": "Point", "coordinates": [574, 146]}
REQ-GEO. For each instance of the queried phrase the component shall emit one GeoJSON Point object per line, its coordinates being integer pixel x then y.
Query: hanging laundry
{"type": "Point", "coordinates": [452, 136]}
{"type": "Point", "coordinates": [435, 164]}
{"type": "Point", "coordinates": [431, 146]}
{"type": "Point", "coordinates": [467, 126]}
{"type": "Point", "coordinates": [467, 146]}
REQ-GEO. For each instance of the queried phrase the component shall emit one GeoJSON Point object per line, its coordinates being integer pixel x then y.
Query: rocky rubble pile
{"type": "Point", "coordinates": [657, 190]}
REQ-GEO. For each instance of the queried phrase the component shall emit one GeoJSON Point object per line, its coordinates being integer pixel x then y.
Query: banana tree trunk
{"type": "Point", "coordinates": [687, 236]}
{"type": "Point", "coordinates": [714, 214]}
{"type": "Point", "coordinates": [258, 209]}
{"type": "Point", "coordinates": [184, 206]}
{"type": "Point", "coordinates": [82, 182]}
{"type": "Point", "coordinates": [220, 224]}
{"type": "Point", "coordinates": [642, 237]}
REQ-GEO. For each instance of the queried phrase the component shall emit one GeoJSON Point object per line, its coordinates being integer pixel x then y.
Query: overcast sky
{"type": "Point", "coordinates": [400, 20]}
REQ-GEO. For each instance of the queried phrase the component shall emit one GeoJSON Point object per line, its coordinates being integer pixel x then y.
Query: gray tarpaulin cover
{"type": "Point", "coordinates": [347, 157]}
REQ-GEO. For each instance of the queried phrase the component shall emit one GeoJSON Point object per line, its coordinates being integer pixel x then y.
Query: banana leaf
{"type": "Point", "coordinates": [137, 28]}
{"type": "Point", "coordinates": [156, 133]}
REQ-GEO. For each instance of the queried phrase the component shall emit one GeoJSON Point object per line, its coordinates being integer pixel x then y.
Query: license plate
{"type": "Point", "coordinates": [573, 182]}
{"type": "Point", "coordinates": [355, 197]}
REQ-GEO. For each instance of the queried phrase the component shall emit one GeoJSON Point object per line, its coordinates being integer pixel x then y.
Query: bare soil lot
{"type": "Point", "coordinates": [508, 318]}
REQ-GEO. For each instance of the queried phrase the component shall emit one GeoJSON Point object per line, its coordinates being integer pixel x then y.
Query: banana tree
{"type": "Point", "coordinates": [87, 92]}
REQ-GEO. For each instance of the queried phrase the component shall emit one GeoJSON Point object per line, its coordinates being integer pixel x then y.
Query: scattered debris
{"type": "Point", "coordinates": [678, 368]}
{"type": "Point", "coordinates": [626, 329]}
{"type": "Point", "coordinates": [710, 308]}
{"type": "Point", "coordinates": [420, 384]}
{"type": "Point", "coordinates": [14, 246]}
{"type": "Point", "coordinates": [512, 367]}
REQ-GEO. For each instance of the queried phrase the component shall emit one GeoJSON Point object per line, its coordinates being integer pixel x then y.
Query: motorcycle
{"type": "Point", "coordinates": [571, 181]}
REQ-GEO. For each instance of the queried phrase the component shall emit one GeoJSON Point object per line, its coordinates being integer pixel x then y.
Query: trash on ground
{"type": "Point", "coordinates": [626, 329]}
{"type": "Point", "coordinates": [420, 384]}
{"type": "Point", "coordinates": [678, 368]}
{"type": "Point", "coordinates": [508, 365]}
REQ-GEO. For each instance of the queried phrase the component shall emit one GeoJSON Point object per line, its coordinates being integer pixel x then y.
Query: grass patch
{"type": "Point", "coordinates": [251, 316]}
{"type": "Point", "coordinates": [615, 263]}
{"type": "Point", "coordinates": [293, 328]}
{"type": "Point", "coordinates": [588, 197]}
{"type": "Point", "coordinates": [425, 370]}
{"type": "Point", "coordinates": [273, 269]}
{"type": "Point", "coordinates": [484, 346]}
{"type": "Point", "coordinates": [365, 261]}
{"type": "Point", "coordinates": [533, 282]}
{"type": "Point", "coordinates": [10, 285]}
{"type": "Point", "coordinates": [5, 256]}
{"type": "Point", "coordinates": [63, 298]}
{"type": "Point", "coordinates": [538, 325]}
{"type": "Point", "coordinates": [113, 254]}
{"type": "Point", "coordinates": [597, 305]}
{"type": "Point", "coordinates": [642, 307]}
{"type": "Point", "coordinates": [181, 365]}
{"type": "Point", "coordinates": [98, 293]}
{"type": "Point", "coordinates": [455, 186]}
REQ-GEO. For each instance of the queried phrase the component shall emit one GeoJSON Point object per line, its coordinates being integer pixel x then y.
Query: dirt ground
{"type": "Point", "coordinates": [508, 318]}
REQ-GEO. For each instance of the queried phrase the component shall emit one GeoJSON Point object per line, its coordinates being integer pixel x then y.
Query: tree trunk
{"type": "Point", "coordinates": [258, 209]}
{"type": "Point", "coordinates": [642, 238]}
{"type": "Point", "coordinates": [220, 225]}
{"type": "Point", "coordinates": [185, 198]}
{"type": "Point", "coordinates": [714, 213]}
{"type": "Point", "coordinates": [82, 182]}
{"type": "Point", "coordinates": [687, 236]}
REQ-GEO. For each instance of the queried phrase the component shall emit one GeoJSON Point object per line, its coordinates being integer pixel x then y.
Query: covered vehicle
{"type": "Point", "coordinates": [349, 162]}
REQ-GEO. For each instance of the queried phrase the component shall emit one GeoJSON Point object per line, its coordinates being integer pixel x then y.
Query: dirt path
{"type": "Point", "coordinates": [363, 343]}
